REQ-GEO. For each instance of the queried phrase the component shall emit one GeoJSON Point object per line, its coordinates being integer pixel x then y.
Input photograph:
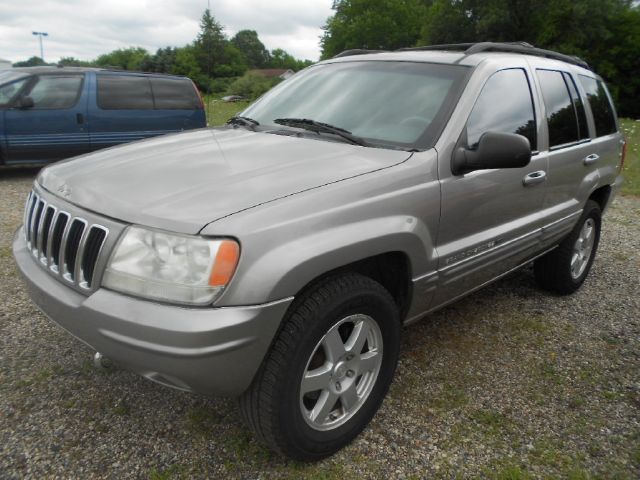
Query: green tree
{"type": "Point", "coordinates": [209, 47]}
{"type": "Point", "coordinates": [282, 59]}
{"type": "Point", "coordinates": [31, 62]}
{"type": "Point", "coordinates": [74, 62]}
{"type": "Point", "coordinates": [381, 24]}
{"type": "Point", "coordinates": [162, 61]}
{"type": "Point", "coordinates": [130, 58]}
{"type": "Point", "coordinates": [256, 54]}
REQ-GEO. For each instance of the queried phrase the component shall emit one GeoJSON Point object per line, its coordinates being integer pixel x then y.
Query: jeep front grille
{"type": "Point", "coordinates": [68, 246]}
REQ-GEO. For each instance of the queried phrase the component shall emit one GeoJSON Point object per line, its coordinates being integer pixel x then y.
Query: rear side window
{"type": "Point", "coordinates": [55, 92]}
{"type": "Point", "coordinates": [603, 112]}
{"type": "Point", "coordinates": [561, 112]}
{"type": "Point", "coordinates": [583, 130]}
{"type": "Point", "coordinates": [117, 92]}
{"type": "Point", "coordinates": [174, 93]}
{"type": "Point", "coordinates": [505, 105]}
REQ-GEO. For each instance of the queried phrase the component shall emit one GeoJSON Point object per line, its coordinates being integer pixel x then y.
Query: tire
{"type": "Point", "coordinates": [338, 308]}
{"type": "Point", "coordinates": [554, 272]}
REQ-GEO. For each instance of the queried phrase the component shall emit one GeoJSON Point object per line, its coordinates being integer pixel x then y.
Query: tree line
{"type": "Point", "coordinates": [213, 61]}
{"type": "Point", "coordinates": [605, 33]}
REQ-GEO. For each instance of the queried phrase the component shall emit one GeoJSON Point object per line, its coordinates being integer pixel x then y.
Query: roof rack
{"type": "Point", "coordinates": [512, 47]}
{"type": "Point", "coordinates": [357, 51]}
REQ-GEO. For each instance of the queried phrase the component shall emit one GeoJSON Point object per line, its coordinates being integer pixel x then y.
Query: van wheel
{"type": "Point", "coordinates": [328, 369]}
{"type": "Point", "coordinates": [564, 269]}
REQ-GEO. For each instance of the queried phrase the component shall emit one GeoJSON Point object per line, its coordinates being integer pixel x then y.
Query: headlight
{"type": "Point", "coordinates": [174, 268]}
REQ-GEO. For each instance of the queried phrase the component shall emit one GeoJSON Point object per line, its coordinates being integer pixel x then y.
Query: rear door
{"type": "Point", "coordinates": [55, 126]}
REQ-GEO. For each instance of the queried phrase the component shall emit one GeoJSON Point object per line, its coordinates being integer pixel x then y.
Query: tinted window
{"type": "Point", "coordinates": [54, 92]}
{"type": "Point", "coordinates": [9, 90]}
{"type": "Point", "coordinates": [397, 103]}
{"type": "Point", "coordinates": [561, 114]}
{"type": "Point", "coordinates": [603, 113]}
{"type": "Point", "coordinates": [117, 92]}
{"type": "Point", "coordinates": [505, 105]}
{"type": "Point", "coordinates": [583, 130]}
{"type": "Point", "coordinates": [174, 93]}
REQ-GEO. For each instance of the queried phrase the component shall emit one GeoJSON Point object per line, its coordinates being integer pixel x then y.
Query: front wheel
{"type": "Point", "coordinates": [564, 269]}
{"type": "Point", "coordinates": [327, 371]}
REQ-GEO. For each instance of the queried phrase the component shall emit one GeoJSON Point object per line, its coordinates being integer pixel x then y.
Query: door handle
{"type": "Point", "coordinates": [80, 118]}
{"type": "Point", "coordinates": [593, 158]}
{"type": "Point", "coordinates": [534, 178]}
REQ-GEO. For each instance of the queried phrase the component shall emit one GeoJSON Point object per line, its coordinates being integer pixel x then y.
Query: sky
{"type": "Point", "coordinates": [87, 28]}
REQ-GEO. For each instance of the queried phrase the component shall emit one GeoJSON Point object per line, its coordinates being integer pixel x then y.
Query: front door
{"type": "Point", "coordinates": [490, 219]}
{"type": "Point", "coordinates": [55, 127]}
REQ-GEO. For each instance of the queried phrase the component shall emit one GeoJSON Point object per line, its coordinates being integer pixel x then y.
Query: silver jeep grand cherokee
{"type": "Point", "coordinates": [276, 259]}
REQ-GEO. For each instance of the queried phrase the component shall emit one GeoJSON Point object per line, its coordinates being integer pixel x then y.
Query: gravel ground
{"type": "Point", "coordinates": [509, 383]}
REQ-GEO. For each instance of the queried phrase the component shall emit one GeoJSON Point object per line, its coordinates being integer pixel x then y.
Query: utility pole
{"type": "Point", "coordinates": [40, 35]}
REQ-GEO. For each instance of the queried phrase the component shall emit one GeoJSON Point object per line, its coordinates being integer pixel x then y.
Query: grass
{"type": "Point", "coordinates": [631, 171]}
{"type": "Point", "coordinates": [218, 112]}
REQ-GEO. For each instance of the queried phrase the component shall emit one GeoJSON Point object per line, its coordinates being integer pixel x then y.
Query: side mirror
{"type": "Point", "coordinates": [495, 150]}
{"type": "Point", "coordinates": [24, 103]}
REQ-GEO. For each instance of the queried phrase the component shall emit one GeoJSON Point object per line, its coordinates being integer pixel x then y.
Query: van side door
{"type": "Point", "coordinates": [490, 219]}
{"type": "Point", "coordinates": [53, 125]}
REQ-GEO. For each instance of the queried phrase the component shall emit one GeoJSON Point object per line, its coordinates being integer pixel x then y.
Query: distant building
{"type": "Point", "coordinates": [4, 64]}
{"type": "Point", "coordinates": [282, 73]}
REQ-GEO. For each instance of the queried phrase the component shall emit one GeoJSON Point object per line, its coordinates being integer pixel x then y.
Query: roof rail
{"type": "Point", "coordinates": [512, 47]}
{"type": "Point", "coordinates": [357, 51]}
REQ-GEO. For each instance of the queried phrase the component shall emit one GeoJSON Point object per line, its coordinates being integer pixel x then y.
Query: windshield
{"type": "Point", "coordinates": [390, 103]}
{"type": "Point", "coordinates": [10, 83]}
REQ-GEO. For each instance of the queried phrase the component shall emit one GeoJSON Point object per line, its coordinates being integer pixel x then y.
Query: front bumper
{"type": "Point", "coordinates": [214, 351]}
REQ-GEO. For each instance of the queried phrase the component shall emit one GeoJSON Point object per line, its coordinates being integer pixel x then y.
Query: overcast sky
{"type": "Point", "coordinates": [87, 28]}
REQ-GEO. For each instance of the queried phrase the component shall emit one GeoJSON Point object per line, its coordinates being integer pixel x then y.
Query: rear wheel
{"type": "Point", "coordinates": [328, 370]}
{"type": "Point", "coordinates": [564, 269]}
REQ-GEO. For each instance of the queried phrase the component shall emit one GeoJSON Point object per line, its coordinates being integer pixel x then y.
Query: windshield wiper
{"type": "Point", "coordinates": [320, 127]}
{"type": "Point", "coordinates": [244, 121]}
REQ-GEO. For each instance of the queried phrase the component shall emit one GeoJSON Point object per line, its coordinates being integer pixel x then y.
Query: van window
{"type": "Point", "coordinates": [603, 112]}
{"type": "Point", "coordinates": [174, 93]}
{"type": "Point", "coordinates": [124, 92]}
{"type": "Point", "coordinates": [561, 114]}
{"type": "Point", "coordinates": [505, 105]}
{"type": "Point", "coordinates": [55, 92]}
{"type": "Point", "coordinates": [9, 90]}
{"type": "Point", "coordinates": [583, 130]}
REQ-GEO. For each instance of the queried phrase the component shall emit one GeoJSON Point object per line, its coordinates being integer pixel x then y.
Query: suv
{"type": "Point", "coordinates": [49, 113]}
{"type": "Point", "coordinates": [276, 259]}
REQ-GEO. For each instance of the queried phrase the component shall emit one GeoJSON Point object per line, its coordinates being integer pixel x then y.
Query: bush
{"type": "Point", "coordinates": [252, 86]}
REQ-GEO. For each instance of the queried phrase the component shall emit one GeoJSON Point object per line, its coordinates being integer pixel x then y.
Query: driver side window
{"type": "Point", "coordinates": [505, 105]}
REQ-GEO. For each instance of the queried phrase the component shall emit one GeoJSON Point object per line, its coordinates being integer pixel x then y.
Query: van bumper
{"type": "Point", "coordinates": [213, 351]}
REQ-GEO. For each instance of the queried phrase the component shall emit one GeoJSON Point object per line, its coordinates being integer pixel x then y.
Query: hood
{"type": "Point", "coordinates": [182, 182]}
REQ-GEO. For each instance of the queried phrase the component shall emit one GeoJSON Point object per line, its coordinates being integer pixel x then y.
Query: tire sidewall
{"type": "Point", "coordinates": [592, 210]}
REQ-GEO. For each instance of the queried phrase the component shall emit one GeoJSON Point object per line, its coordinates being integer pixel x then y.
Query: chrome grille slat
{"type": "Point", "coordinates": [58, 240]}
{"type": "Point", "coordinates": [34, 202]}
{"type": "Point", "coordinates": [40, 220]}
{"type": "Point", "coordinates": [37, 215]}
{"type": "Point", "coordinates": [47, 228]}
{"type": "Point", "coordinates": [77, 274]}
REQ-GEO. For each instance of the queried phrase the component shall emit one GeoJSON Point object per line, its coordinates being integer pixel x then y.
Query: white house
{"type": "Point", "coordinates": [4, 64]}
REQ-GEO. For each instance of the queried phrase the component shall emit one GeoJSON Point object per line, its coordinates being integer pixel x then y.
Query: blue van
{"type": "Point", "coordinates": [50, 113]}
